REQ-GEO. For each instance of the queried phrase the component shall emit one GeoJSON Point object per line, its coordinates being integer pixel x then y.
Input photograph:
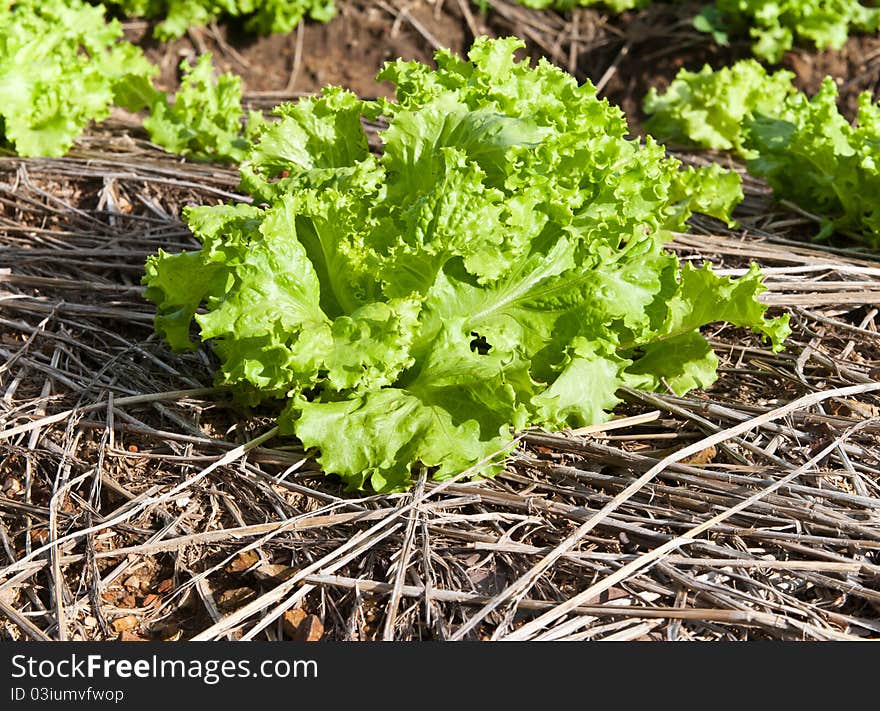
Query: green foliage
{"type": "Point", "coordinates": [815, 158]}
{"type": "Point", "coordinates": [261, 16]}
{"type": "Point", "coordinates": [500, 266]}
{"type": "Point", "coordinates": [62, 66]}
{"type": "Point", "coordinates": [205, 119]}
{"type": "Point", "coordinates": [564, 5]}
{"type": "Point", "coordinates": [773, 24]}
{"type": "Point", "coordinates": [807, 151]}
{"type": "Point", "coordinates": [708, 108]}
{"type": "Point", "coordinates": [776, 24]}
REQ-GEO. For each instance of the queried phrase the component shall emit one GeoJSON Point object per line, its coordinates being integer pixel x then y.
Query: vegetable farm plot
{"type": "Point", "coordinates": [461, 352]}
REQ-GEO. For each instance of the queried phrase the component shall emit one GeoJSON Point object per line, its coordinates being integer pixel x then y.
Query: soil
{"type": "Point", "coordinates": [624, 55]}
{"type": "Point", "coordinates": [349, 51]}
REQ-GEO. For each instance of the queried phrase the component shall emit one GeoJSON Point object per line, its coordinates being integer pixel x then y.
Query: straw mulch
{"type": "Point", "coordinates": [140, 502]}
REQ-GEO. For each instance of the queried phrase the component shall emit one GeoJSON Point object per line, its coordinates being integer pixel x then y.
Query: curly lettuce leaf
{"type": "Point", "coordinates": [815, 158]}
{"type": "Point", "coordinates": [807, 151]}
{"type": "Point", "coordinates": [500, 266]}
{"type": "Point", "coordinates": [708, 108]}
{"type": "Point", "coordinates": [204, 121]}
{"type": "Point", "coordinates": [675, 354]}
{"type": "Point", "coordinates": [317, 142]}
{"type": "Point", "coordinates": [61, 67]}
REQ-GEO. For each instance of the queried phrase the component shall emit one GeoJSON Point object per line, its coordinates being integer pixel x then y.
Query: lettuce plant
{"type": "Point", "coordinates": [709, 108]}
{"type": "Point", "coordinates": [807, 151]}
{"type": "Point", "coordinates": [204, 120]}
{"type": "Point", "coordinates": [814, 157]}
{"type": "Point", "coordinates": [61, 66]}
{"type": "Point", "coordinates": [499, 266]}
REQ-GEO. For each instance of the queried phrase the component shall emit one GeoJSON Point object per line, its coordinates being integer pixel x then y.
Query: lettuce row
{"type": "Point", "coordinates": [501, 265]}
{"type": "Point", "coordinates": [774, 25]}
{"type": "Point", "coordinates": [807, 151]}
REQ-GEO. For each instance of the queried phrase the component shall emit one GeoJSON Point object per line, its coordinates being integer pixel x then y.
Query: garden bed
{"type": "Point", "coordinates": [141, 502]}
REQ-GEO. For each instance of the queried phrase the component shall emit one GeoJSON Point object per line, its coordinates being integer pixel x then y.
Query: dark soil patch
{"type": "Point", "coordinates": [348, 52]}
